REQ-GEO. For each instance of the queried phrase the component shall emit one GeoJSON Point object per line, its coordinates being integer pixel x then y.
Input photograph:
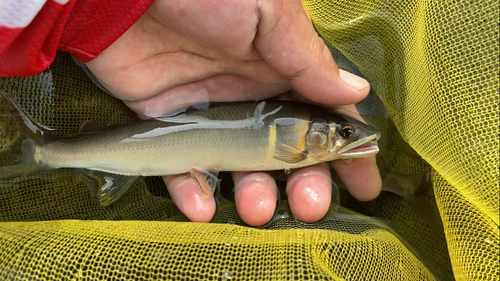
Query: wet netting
{"type": "Point", "coordinates": [434, 71]}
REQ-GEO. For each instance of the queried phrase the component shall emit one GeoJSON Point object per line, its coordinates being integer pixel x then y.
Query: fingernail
{"type": "Point", "coordinates": [353, 80]}
{"type": "Point", "coordinates": [263, 177]}
{"type": "Point", "coordinates": [295, 178]}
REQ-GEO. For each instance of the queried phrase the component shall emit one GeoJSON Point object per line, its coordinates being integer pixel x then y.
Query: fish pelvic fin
{"type": "Point", "coordinates": [24, 164]}
{"type": "Point", "coordinates": [206, 181]}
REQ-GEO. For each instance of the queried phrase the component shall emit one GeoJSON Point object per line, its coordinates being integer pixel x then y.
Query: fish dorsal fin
{"type": "Point", "coordinates": [111, 186]}
{"type": "Point", "coordinates": [289, 154]}
{"type": "Point", "coordinates": [90, 127]}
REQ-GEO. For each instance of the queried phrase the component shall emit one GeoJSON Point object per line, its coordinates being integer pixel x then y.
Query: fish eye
{"type": "Point", "coordinates": [346, 132]}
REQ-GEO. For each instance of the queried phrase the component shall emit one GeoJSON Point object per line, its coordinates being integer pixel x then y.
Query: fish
{"type": "Point", "coordinates": [239, 136]}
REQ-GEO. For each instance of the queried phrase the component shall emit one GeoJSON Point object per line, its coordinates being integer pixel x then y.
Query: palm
{"type": "Point", "coordinates": [161, 57]}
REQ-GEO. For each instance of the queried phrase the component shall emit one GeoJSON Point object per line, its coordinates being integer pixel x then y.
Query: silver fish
{"type": "Point", "coordinates": [245, 136]}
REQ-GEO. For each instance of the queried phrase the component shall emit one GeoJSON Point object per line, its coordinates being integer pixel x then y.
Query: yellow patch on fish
{"type": "Point", "coordinates": [302, 142]}
{"type": "Point", "coordinates": [272, 139]}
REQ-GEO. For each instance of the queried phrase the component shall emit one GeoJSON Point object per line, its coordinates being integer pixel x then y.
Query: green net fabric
{"type": "Point", "coordinates": [434, 71]}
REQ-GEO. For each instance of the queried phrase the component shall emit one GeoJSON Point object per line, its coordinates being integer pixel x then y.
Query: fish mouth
{"type": "Point", "coordinates": [360, 148]}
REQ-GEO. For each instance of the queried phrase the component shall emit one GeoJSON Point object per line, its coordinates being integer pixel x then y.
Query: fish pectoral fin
{"type": "Point", "coordinates": [207, 181]}
{"type": "Point", "coordinates": [90, 127]}
{"type": "Point", "coordinates": [289, 154]}
{"type": "Point", "coordinates": [111, 186]}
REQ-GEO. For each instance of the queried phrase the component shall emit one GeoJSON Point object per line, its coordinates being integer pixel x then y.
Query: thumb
{"type": "Point", "coordinates": [288, 42]}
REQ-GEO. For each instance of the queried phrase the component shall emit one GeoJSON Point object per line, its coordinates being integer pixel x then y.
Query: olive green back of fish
{"type": "Point", "coordinates": [172, 146]}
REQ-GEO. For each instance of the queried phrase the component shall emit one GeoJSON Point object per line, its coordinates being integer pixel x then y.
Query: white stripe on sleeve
{"type": "Point", "coordinates": [19, 13]}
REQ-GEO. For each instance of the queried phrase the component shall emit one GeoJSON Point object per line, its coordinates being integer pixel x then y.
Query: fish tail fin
{"type": "Point", "coordinates": [30, 134]}
{"type": "Point", "coordinates": [33, 129]}
{"type": "Point", "coordinates": [24, 164]}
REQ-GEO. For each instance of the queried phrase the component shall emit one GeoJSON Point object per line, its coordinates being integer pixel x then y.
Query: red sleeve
{"type": "Point", "coordinates": [82, 27]}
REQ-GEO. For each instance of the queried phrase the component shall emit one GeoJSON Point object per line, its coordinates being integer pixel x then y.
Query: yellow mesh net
{"type": "Point", "coordinates": [433, 65]}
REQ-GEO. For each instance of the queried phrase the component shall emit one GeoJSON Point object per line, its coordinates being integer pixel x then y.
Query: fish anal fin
{"type": "Point", "coordinates": [112, 186]}
{"type": "Point", "coordinates": [207, 181]}
{"type": "Point", "coordinates": [89, 127]}
{"type": "Point", "coordinates": [289, 154]}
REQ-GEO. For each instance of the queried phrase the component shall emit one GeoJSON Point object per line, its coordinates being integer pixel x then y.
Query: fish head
{"type": "Point", "coordinates": [341, 139]}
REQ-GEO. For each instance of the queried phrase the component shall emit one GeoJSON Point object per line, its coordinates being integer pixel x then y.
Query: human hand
{"type": "Point", "coordinates": [191, 52]}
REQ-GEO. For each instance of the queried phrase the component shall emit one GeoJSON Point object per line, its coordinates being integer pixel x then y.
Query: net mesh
{"type": "Point", "coordinates": [434, 71]}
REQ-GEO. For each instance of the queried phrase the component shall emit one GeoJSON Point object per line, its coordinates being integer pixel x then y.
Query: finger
{"type": "Point", "coordinates": [361, 177]}
{"type": "Point", "coordinates": [255, 196]}
{"type": "Point", "coordinates": [302, 57]}
{"type": "Point", "coordinates": [223, 88]}
{"type": "Point", "coordinates": [190, 200]}
{"type": "Point", "coordinates": [309, 192]}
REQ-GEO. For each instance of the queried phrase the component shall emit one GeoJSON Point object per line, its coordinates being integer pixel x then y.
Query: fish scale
{"type": "Point", "coordinates": [229, 137]}
{"type": "Point", "coordinates": [244, 136]}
